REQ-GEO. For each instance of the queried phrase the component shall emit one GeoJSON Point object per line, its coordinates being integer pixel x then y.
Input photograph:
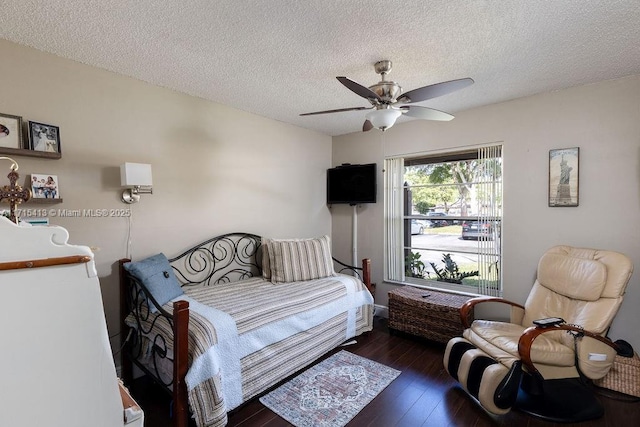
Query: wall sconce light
{"type": "Point", "coordinates": [137, 176]}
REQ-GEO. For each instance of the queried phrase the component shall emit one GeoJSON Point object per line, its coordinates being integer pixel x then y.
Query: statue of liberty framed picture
{"type": "Point", "coordinates": [564, 166]}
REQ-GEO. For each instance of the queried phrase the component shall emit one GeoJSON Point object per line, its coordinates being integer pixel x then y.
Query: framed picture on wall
{"type": "Point", "coordinates": [10, 131]}
{"type": "Point", "coordinates": [564, 167]}
{"type": "Point", "coordinates": [45, 186]}
{"type": "Point", "coordinates": [44, 137]}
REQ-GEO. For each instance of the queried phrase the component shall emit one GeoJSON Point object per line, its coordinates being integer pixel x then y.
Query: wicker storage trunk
{"type": "Point", "coordinates": [624, 376]}
{"type": "Point", "coordinates": [429, 314]}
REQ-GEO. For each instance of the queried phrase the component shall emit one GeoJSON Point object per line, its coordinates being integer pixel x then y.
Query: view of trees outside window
{"type": "Point", "coordinates": [452, 222]}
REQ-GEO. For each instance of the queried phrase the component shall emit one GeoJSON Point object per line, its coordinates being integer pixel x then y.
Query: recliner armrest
{"type": "Point", "coordinates": [530, 334]}
{"type": "Point", "coordinates": [466, 308]}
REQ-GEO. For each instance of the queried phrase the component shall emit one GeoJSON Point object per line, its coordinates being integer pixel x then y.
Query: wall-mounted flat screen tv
{"type": "Point", "coordinates": [351, 184]}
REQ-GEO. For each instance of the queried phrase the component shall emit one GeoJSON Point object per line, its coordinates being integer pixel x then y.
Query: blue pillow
{"type": "Point", "coordinates": [156, 274]}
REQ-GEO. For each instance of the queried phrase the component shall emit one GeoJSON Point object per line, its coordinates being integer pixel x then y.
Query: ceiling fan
{"type": "Point", "coordinates": [388, 102]}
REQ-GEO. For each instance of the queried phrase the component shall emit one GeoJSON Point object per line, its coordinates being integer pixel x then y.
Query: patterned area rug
{"type": "Point", "coordinates": [330, 393]}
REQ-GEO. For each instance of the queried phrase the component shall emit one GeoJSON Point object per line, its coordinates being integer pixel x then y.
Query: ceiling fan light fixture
{"type": "Point", "coordinates": [388, 101]}
{"type": "Point", "coordinates": [384, 118]}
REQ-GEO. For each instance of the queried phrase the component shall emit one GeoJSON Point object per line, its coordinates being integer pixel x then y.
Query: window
{"type": "Point", "coordinates": [443, 220]}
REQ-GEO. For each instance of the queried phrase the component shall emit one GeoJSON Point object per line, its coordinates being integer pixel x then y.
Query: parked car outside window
{"type": "Point", "coordinates": [477, 230]}
{"type": "Point", "coordinates": [418, 226]}
{"type": "Point", "coordinates": [438, 222]}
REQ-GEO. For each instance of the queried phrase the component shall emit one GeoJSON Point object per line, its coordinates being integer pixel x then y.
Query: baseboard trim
{"type": "Point", "coordinates": [381, 311]}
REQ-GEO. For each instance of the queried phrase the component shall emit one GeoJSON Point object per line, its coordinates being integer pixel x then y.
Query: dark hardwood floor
{"type": "Point", "coordinates": [423, 395]}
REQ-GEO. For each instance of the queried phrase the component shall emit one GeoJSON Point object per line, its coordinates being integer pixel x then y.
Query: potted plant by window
{"type": "Point", "coordinates": [450, 273]}
{"type": "Point", "coordinates": [413, 266]}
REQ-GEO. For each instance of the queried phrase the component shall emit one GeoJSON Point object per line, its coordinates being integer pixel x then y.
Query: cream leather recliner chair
{"type": "Point", "coordinates": [545, 370]}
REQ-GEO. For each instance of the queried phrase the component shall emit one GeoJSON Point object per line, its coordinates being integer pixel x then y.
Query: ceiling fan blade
{"type": "Point", "coordinates": [367, 126]}
{"type": "Point", "coordinates": [339, 110]}
{"type": "Point", "coordinates": [358, 89]}
{"type": "Point", "coordinates": [425, 113]}
{"type": "Point", "coordinates": [435, 90]}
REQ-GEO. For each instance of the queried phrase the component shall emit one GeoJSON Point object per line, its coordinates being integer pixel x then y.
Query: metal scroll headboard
{"type": "Point", "coordinates": [227, 258]}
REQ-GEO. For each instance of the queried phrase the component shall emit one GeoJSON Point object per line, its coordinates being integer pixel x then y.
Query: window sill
{"type": "Point", "coordinates": [436, 286]}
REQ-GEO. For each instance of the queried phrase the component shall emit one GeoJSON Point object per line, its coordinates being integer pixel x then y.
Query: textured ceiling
{"type": "Point", "coordinates": [279, 58]}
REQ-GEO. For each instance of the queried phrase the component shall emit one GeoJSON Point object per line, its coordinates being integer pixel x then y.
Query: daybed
{"type": "Point", "coordinates": [246, 314]}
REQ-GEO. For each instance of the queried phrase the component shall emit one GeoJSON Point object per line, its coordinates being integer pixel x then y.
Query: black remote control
{"type": "Point", "coordinates": [549, 321]}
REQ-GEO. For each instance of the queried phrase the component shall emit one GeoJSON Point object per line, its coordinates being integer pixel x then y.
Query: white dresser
{"type": "Point", "coordinates": [56, 366]}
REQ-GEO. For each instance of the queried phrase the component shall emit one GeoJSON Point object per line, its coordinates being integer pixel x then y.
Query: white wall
{"type": "Point", "coordinates": [602, 119]}
{"type": "Point", "coordinates": [215, 169]}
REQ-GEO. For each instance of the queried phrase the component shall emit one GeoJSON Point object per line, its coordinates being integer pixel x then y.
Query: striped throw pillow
{"type": "Point", "coordinates": [300, 259]}
{"type": "Point", "coordinates": [266, 263]}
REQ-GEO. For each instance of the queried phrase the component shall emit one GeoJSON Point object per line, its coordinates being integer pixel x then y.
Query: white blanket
{"type": "Point", "coordinates": [224, 357]}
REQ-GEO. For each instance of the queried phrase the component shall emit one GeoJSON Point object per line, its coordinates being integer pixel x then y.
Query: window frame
{"type": "Point", "coordinates": [468, 153]}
